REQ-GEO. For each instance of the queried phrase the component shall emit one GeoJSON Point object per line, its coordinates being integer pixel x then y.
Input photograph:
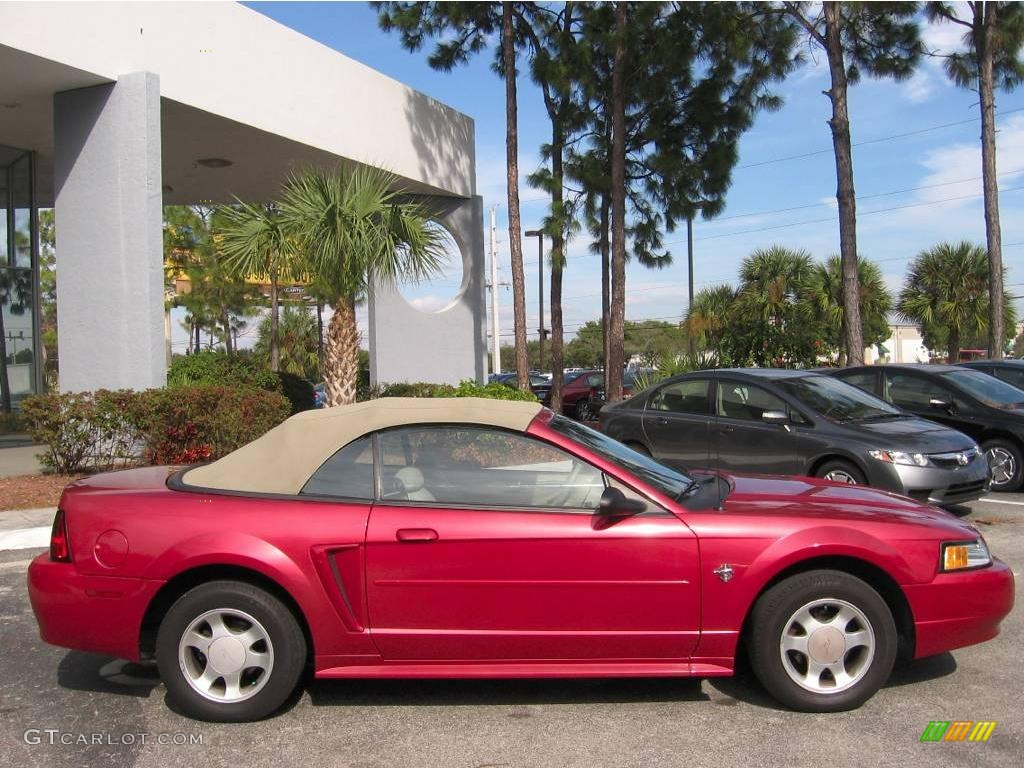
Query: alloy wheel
{"type": "Point", "coordinates": [1002, 465]}
{"type": "Point", "coordinates": [840, 476]}
{"type": "Point", "coordinates": [226, 655]}
{"type": "Point", "coordinates": [827, 646]}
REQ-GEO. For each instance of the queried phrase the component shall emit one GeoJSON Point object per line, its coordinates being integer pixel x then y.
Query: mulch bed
{"type": "Point", "coordinates": [32, 491]}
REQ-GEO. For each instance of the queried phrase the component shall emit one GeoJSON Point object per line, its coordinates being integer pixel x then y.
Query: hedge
{"type": "Point", "coordinates": [466, 388]}
{"type": "Point", "coordinates": [112, 429]}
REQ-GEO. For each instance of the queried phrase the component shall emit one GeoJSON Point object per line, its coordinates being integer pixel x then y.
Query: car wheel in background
{"type": "Point", "coordinates": [822, 641]}
{"type": "Point", "coordinates": [586, 410]}
{"type": "Point", "coordinates": [1005, 464]}
{"type": "Point", "coordinates": [840, 471]}
{"type": "Point", "coordinates": [229, 652]}
{"type": "Point", "coordinates": [639, 449]}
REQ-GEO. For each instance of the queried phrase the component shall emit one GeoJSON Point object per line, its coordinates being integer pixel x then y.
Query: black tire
{"type": "Point", "coordinates": [639, 449]}
{"type": "Point", "coordinates": [583, 411]}
{"type": "Point", "coordinates": [1005, 453]}
{"type": "Point", "coordinates": [841, 467]}
{"type": "Point", "coordinates": [772, 621]}
{"type": "Point", "coordinates": [287, 650]}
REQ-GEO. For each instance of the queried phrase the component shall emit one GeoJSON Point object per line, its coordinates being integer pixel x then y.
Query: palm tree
{"type": "Point", "coordinates": [708, 317]}
{"type": "Point", "coordinates": [297, 335]}
{"type": "Point", "coordinates": [768, 325]}
{"type": "Point", "coordinates": [256, 246]}
{"type": "Point", "coordinates": [947, 293]}
{"type": "Point", "coordinates": [823, 294]}
{"type": "Point", "coordinates": [356, 229]}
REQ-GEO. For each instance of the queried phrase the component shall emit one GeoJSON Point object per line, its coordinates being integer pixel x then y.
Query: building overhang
{"type": "Point", "coordinates": [234, 85]}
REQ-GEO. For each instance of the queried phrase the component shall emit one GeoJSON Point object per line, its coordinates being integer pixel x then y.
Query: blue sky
{"type": "Point", "coordinates": [931, 177]}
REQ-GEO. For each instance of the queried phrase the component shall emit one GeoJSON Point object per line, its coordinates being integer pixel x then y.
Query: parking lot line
{"type": "Point", "coordinates": [25, 538]}
{"type": "Point", "coordinates": [1000, 501]}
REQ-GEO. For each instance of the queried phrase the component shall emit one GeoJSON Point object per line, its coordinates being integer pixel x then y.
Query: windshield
{"type": "Point", "coordinates": [665, 479]}
{"type": "Point", "coordinates": [987, 389]}
{"type": "Point", "coordinates": [837, 400]}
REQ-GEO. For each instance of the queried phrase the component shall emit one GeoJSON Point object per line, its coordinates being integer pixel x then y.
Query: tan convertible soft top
{"type": "Point", "coordinates": [284, 458]}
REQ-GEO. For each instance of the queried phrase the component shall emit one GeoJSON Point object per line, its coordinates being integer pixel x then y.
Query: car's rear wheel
{"type": "Point", "coordinates": [229, 652]}
{"type": "Point", "coordinates": [1005, 464]}
{"type": "Point", "coordinates": [839, 471]}
{"type": "Point", "coordinates": [822, 641]}
{"type": "Point", "coordinates": [587, 410]}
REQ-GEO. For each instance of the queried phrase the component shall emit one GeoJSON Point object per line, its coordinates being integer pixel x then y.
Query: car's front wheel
{"type": "Point", "coordinates": [229, 652]}
{"type": "Point", "coordinates": [822, 641]}
{"type": "Point", "coordinates": [1005, 463]}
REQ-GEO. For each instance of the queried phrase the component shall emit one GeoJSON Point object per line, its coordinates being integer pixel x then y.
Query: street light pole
{"type": "Point", "coordinates": [539, 234]}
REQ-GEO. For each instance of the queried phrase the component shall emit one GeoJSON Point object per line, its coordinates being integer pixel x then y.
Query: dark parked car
{"type": "Point", "coordinates": [1010, 371]}
{"type": "Point", "coordinates": [539, 385]}
{"type": "Point", "coordinates": [798, 423]}
{"type": "Point", "coordinates": [989, 410]}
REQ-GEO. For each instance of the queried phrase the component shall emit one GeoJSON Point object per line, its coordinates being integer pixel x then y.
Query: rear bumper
{"type": "Point", "coordinates": [99, 614]}
{"type": "Point", "coordinates": [960, 609]}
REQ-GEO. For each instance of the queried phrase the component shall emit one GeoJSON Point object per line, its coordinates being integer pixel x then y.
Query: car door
{"type": "Point", "coordinates": [1012, 376]}
{"type": "Point", "coordinates": [746, 443]}
{"type": "Point", "coordinates": [485, 545]}
{"type": "Point", "coordinates": [677, 423]}
{"type": "Point", "coordinates": [918, 394]}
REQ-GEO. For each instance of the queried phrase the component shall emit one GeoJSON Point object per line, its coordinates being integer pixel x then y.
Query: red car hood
{"type": "Point", "coordinates": [811, 497]}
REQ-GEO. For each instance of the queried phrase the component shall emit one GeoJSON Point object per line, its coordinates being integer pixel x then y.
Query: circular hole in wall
{"type": "Point", "coordinates": [442, 289]}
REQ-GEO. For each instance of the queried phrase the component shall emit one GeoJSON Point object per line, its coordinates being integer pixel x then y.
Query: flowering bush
{"type": "Point", "coordinates": [107, 430]}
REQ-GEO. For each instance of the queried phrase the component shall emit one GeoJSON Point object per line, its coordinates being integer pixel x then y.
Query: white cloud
{"type": "Point", "coordinates": [952, 164]}
{"type": "Point", "coordinates": [919, 88]}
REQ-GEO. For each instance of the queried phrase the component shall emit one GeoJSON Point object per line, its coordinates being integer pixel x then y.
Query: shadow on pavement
{"type": "Point", "coordinates": [96, 673]}
{"type": "Point", "coordinates": [502, 692]}
{"type": "Point", "coordinates": [922, 670]}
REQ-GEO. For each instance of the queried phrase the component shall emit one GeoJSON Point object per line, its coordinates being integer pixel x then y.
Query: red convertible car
{"type": "Point", "coordinates": [475, 538]}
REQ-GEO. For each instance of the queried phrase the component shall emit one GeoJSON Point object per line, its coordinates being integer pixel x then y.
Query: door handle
{"type": "Point", "coordinates": [416, 534]}
{"type": "Point", "coordinates": [662, 421]}
{"type": "Point", "coordinates": [727, 430]}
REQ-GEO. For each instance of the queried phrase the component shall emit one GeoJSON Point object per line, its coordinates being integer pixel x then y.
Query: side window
{"type": "Point", "coordinates": [682, 397]}
{"type": "Point", "coordinates": [737, 400]}
{"type": "Point", "coordinates": [909, 391]}
{"type": "Point", "coordinates": [479, 466]}
{"type": "Point", "coordinates": [1011, 376]}
{"type": "Point", "coordinates": [866, 380]}
{"type": "Point", "coordinates": [595, 380]}
{"type": "Point", "coordinates": [347, 474]}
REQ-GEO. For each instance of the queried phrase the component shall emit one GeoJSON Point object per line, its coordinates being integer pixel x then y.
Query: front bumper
{"type": "Point", "coordinates": [99, 614]}
{"type": "Point", "coordinates": [959, 609]}
{"type": "Point", "coordinates": [933, 485]}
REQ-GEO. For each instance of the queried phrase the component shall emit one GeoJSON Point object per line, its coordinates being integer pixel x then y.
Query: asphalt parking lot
{"type": "Point", "coordinates": [482, 724]}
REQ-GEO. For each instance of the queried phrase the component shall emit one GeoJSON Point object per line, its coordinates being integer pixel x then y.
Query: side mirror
{"type": "Point", "coordinates": [941, 405]}
{"type": "Point", "coordinates": [614, 503]}
{"type": "Point", "coordinates": [775, 417]}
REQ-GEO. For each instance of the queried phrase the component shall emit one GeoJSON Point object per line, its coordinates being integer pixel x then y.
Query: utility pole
{"type": "Point", "coordinates": [539, 234]}
{"type": "Point", "coordinates": [495, 335]}
{"type": "Point", "coordinates": [689, 259]}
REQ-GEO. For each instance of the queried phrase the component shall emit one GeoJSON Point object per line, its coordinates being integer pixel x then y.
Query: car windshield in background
{"type": "Point", "coordinates": [988, 389]}
{"type": "Point", "coordinates": [665, 479]}
{"type": "Point", "coordinates": [837, 400]}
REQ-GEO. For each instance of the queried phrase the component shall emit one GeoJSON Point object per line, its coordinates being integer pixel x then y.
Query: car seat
{"type": "Point", "coordinates": [411, 480]}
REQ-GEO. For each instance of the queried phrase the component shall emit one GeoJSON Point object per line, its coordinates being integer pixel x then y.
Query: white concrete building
{"type": "Point", "coordinates": [108, 111]}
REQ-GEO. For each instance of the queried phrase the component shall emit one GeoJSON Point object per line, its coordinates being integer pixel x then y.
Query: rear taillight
{"type": "Point", "coordinates": [60, 550]}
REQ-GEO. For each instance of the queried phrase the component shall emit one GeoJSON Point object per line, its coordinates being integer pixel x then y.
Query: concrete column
{"type": "Point", "coordinates": [440, 347]}
{"type": "Point", "coordinates": [109, 218]}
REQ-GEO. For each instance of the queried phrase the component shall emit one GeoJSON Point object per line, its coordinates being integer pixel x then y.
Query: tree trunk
{"type": "Point", "coordinates": [954, 346]}
{"type": "Point", "coordinates": [845, 196]}
{"type": "Point", "coordinates": [5, 383]}
{"type": "Point", "coordinates": [515, 227]}
{"type": "Point", "coordinates": [617, 315]}
{"type": "Point", "coordinates": [275, 351]}
{"type": "Point", "coordinates": [604, 223]}
{"type": "Point", "coordinates": [225, 321]}
{"type": "Point", "coordinates": [557, 266]}
{"type": "Point", "coordinates": [985, 24]}
{"type": "Point", "coordinates": [341, 354]}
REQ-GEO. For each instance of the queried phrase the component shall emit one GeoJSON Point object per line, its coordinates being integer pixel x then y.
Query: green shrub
{"type": "Point", "coordinates": [108, 430]}
{"type": "Point", "coordinates": [83, 429]}
{"type": "Point", "coordinates": [220, 369]}
{"type": "Point", "coordinates": [466, 388]}
{"type": "Point", "coordinates": [190, 424]}
{"type": "Point", "coordinates": [11, 423]}
{"type": "Point", "coordinates": [298, 391]}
